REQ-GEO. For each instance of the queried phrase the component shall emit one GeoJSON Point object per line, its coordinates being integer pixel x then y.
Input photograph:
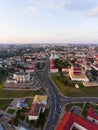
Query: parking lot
{"type": "Point", "coordinates": [13, 104]}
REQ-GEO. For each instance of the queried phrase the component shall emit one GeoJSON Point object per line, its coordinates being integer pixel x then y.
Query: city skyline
{"type": "Point", "coordinates": [73, 21]}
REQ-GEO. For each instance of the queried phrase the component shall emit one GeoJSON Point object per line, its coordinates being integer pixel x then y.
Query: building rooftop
{"type": "Point", "coordinates": [39, 99]}
{"type": "Point", "coordinates": [72, 121]}
{"type": "Point", "coordinates": [78, 75]}
{"type": "Point", "coordinates": [92, 113]}
{"type": "Point", "coordinates": [35, 109]}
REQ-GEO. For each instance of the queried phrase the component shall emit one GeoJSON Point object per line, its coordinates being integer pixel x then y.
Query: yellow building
{"type": "Point", "coordinates": [40, 99]}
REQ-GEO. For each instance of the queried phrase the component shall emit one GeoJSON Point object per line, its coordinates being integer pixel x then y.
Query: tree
{"type": "Point", "coordinates": [14, 121]}
{"type": "Point", "coordinates": [58, 64]}
{"type": "Point", "coordinates": [73, 61]}
{"type": "Point", "coordinates": [66, 64]}
{"type": "Point", "coordinates": [20, 114]}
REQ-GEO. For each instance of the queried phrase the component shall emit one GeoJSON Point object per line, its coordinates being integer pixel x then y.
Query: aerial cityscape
{"type": "Point", "coordinates": [49, 87]}
{"type": "Point", "coordinates": [49, 65]}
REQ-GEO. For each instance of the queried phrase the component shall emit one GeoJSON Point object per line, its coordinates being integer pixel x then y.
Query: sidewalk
{"type": "Point", "coordinates": [61, 116]}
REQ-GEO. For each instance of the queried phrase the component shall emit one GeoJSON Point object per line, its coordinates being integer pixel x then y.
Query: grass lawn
{"type": "Point", "coordinates": [68, 89]}
{"type": "Point", "coordinates": [69, 106]}
{"type": "Point", "coordinates": [4, 103]}
{"type": "Point", "coordinates": [17, 93]}
{"type": "Point", "coordinates": [11, 111]}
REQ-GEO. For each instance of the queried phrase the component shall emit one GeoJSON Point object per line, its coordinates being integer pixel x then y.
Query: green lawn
{"type": "Point", "coordinates": [11, 111]}
{"type": "Point", "coordinates": [68, 88]}
{"type": "Point", "coordinates": [4, 103]}
{"type": "Point", "coordinates": [17, 93]}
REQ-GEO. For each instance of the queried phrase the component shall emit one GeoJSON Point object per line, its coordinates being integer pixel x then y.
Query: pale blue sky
{"type": "Point", "coordinates": [49, 21]}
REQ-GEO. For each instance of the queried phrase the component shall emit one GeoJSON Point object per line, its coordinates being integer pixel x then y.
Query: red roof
{"type": "Point", "coordinates": [92, 114]}
{"type": "Point", "coordinates": [71, 118]}
{"type": "Point", "coordinates": [52, 64]}
{"type": "Point", "coordinates": [35, 109]}
{"type": "Point", "coordinates": [76, 69]}
{"type": "Point", "coordinates": [96, 56]}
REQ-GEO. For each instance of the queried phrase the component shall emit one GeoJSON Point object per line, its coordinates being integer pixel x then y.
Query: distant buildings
{"type": "Point", "coordinates": [54, 55]}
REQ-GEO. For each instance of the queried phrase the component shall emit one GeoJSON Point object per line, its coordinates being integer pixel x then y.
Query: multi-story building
{"type": "Point", "coordinates": [21, 77]}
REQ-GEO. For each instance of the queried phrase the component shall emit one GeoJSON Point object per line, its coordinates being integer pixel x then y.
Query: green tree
{"type": "Point", "coordinates": [58, 64]}
{"type": "Point", "coordinates": [20, 114]}
{"type": "Point", "coordinates": [14, 121]}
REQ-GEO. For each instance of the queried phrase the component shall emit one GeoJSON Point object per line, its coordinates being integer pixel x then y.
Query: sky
{"type": "Point", "coordinates": [37, 21]}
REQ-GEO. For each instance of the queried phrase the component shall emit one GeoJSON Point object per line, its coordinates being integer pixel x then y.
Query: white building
{"type": "Point", "coordinates": [77, 74]}
{"type": "Point", "coordinates": [92, 116]}
{"type": "Point", "coordinates": [21, 77]}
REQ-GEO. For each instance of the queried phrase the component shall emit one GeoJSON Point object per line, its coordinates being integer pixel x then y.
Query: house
{"type": "Point", "coordinates": [92, 116]}
{"type": "Point", "coordinates": [71, 121]}
{"type": "Point", "coordinates": [40, 99]}
{"type": "Point", "coordinates": [34, 112]}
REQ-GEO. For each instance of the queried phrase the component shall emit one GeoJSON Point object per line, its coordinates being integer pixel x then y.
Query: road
{"type": "Point", "coordinates": [57, 100]}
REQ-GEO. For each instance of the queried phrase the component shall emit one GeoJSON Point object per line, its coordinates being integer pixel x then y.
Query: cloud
{"type": "Point", "coordinates": [72, 4]}
{"type": "Point", "coordinates": [31, 9]}
{"type": "Point", "coordinates": [58, 5]}
{"type": "Point", "coordinates": [92, 12]}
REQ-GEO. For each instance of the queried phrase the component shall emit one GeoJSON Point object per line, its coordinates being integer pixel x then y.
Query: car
{"type": "Point", "coordinates": [1, 115]}
{"type": "Point", "coordinates": [5, 117]}
{"type": "Point", "coordinates": [10, 105]}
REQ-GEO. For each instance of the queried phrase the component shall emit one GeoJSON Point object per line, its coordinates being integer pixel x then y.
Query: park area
{"type": "Point", "coordinates": [67, 87]}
